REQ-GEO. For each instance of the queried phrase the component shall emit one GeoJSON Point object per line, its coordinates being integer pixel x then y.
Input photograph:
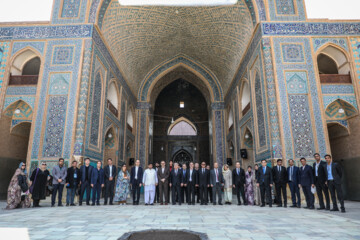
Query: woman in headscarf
{"type": "Point", "coordinates": [256, 188]}
{"type": "Point", "coordinates": [39, 178]}
{"type": "Point", "coordinates": [228, 184]}
{"type": "Point", "coordinates": [122, 186]}
{"type": "Point", "coordinates": [250, 183]}
{"type": "Point", "coordinates": [18, 191]}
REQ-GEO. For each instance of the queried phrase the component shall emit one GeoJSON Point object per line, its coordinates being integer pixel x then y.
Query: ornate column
{"type": "Point", "coordinates": [142, 132]}
{"type": "Point", "coordinates": [218, 132]}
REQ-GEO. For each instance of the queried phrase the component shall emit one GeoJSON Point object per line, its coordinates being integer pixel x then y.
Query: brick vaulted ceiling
{"type": "Point", "coordinates": [143, 37]}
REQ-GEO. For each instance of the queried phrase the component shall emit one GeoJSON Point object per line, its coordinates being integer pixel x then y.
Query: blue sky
{"type": "Point", "coordinates": [40, 10]}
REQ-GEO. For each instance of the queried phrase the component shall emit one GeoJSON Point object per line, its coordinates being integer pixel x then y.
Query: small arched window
{"type": "Point", "coordinates": [130, 120]}
{"type": "Point", "coordinates": [333, 66]}
{"type": "Point", "coordinates": [25, 69]}
{"type": "Point", "coordinates": [182, 127]}
{"type": "Point", "coordinates": [231, 119]}
{"type": "Point", "coordinates": [245, 98]}
{"type": "Point", "coordinates": [112, 99]}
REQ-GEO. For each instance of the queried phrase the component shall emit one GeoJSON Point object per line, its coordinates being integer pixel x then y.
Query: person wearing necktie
{"type": "Point", "coordinates": [191, 181]}
{"type": "Point", "coordinates": [176, 183]}
{"type": "Point", "coordinates": [163, 176]}
{"type": "Point", "coordinates": [157, 198]}
{"type": "Point", "coordinates": [110, 174]}
{"type": "Point", "coordinates": [238, 181]}
{"type": "Point", "coordinates": [280, 177]}
{"type": "Point", "coordinates": [294, 177]}
{"type": "Point", "coordinates": [184, 197]}
{"type": "Point", "coordinates": [204, 182]}
{"type": "Point", "coordinates": [265, 182]}
{"type": "Point", "coordinates": [306, 182]}
{"type": "Point", "coordinates": [136, 177]}
{"type": "Point", "coordinates": [216, 182]}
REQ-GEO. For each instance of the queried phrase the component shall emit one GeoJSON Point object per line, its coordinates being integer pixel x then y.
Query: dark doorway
{"type": "Point", "coordinates": [181, 126]}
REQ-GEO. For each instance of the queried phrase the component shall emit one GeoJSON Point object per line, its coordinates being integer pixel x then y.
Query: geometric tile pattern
{"type": "Point", "coordinates": [286, 10]}
{"type": "Point", "coordinates": [260, 111]}
{"type": "Point", "coordinates": [84, 89]}
{"type": "Point", "coordinates": [69, 11]}
{"type": "Point", "coordinates": [337, 89]}
{"type": "Point", "coordinates": [13, 91]}
{"type": "Point", "coordinates": [296, 82]}
{"type": "Point", "coordinates": [328, 99]}
{"type": "Point", "coordinates": [285, 7]}
{"type": "Point", "coordinates": [70, 8]}
{"type": "Point", "coordinates": [28, 99]}
{"type": "Point", "coordinates": [301, 126]}
{"type": "Point", "coordinates": [25, 111]}
{"type": "Point", "coordinates": [304, 66]}
{"type": "Point", "coordinates": [293, 53]}
{"type": "Point", "coordinates": [272, 103]}
{"type": "Point", "coordinates": [332, 111]}
{"type": "Point", "coordinates": [55, 126]}
{"type": "Point", "coordinates": [59, 83]}
{"type": "Point", "coordinates": [95, 111]}
{"type": "Point", "coordinates": [48, 71]}
{"type": "Point", "coordinates": [319, 42]}
{"type": "Point", "coordinates": [63, 55]}
{"type": "Point", "coordinates": [355, 46]}
{"type": "Point", "coordinates": [17, 46]}
{"type": "Point", "coordinates": [4, 53]}
{"type": "Point", "coordinates": [142, 37]}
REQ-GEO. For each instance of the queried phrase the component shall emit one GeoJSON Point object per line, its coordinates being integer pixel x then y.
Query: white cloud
{"type": "Point", "coordinates": [40, 10]}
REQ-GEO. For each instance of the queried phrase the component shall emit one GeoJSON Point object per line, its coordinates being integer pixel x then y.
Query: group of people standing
{"type": "Point", "coordinates": [185, 183]}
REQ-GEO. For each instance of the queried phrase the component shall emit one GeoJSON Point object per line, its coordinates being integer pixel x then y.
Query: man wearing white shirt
{"type": "Point", "coordinates": [150, 182]}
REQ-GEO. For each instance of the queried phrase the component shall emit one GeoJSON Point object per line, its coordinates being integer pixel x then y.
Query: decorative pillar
{"type": "Point", "coordinates": [218, 132]}
{"type": "Point", "coordinates": [271, 95]}
{"type": "Point", "coordinates": [142, 132]}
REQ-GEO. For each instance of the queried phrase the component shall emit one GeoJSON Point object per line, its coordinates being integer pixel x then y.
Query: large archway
{"type": "Point", "coordinates": [15, 128]}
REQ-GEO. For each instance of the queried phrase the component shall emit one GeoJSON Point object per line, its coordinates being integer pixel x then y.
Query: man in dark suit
{"type": "Point", "coordinates": [191, 179]}
{"type": "Point", "coordinates": [176, 183]}
{"type": "Point", "coordinates": [320, 178]}
{"type": "Point", "coordinates": [204, 183]}
{"type": "Point", "coordinates": [157, 191]}
{"type": "Point", "coordinates": [209, 189]}
{"type": "Point", "coordinates": [72, 181]}
{"type": "Point", "coordinates": [334, 177]}
{"type": "Point", "coordinates": [306, 182]}
{"type": "Point", "coordinates": [238, 181]}
{"type": "Point", "coordinates": [265, 182]}
{"type": "Point", "coordinates": [85, 182]}
{"type": "Point", "coordinates": [280, 178]}
{"type": "Point", "coordinates": [293, 181]}
{"type": "Point", "coordinates": [184, 196]}
{"type": "Point", "coordinates": [110, 174]}
{"type": "Point", "coordinates": [163, 174]}
{"type": "Point", "coordinates": [217, 182]}
{"type": "Point", "coordinates": [97, 183]}
{"type": "Point", "coordinates": [197, 190]}
{"type": "Point", "coordinates": [136, 177]}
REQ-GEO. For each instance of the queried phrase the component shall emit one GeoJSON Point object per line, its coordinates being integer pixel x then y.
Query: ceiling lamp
{"type": "Point", "coordinates": [17, 111]}
{"type": "Point", "coordinates": [341, 110]}
{"type": "Point", "coordinates": [110, 135]}
{"type": "Point", "coordinates": [247, 136]}
{"type": "Point", "coordinates": [182, 104]}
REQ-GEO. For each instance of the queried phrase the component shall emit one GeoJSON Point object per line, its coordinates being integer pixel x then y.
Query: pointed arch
{"type": "Point", "coordinates": [198, 69]}
{"type": "Point", "coordinates": [23, 56]}
{"type": "Point", "coordinates": [340, 110]}
{"type": "Point", "coordinates": [333, 64]}
{"type": "Point", "coordinates": [130, 118]}
{"type": "Point", "coordinates": [182, 127]}
{"type": "Point", "coordinates": [245, 96]}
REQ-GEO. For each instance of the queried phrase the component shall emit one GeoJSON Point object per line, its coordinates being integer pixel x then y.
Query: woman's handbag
{"type": "Point", "coordinates": [33, 184]}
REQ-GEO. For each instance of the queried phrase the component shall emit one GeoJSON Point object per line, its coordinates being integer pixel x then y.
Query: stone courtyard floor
{"type": "Point", "coordinates": [219, 222]}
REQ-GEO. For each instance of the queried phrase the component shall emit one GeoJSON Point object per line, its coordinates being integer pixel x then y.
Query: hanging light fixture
{"type": "Point", "coordinates": [341, 110]}
{"type": "Point", "coordinates": [17, 111]}
{"type": "Point", "coordinates": [172, 120]}
{"type": "Point", "coordinates": [182, 104]}
{"type": "Point", "coordinates": [247, 136]}
{"type": "Point", "coordinates": [109, 135]}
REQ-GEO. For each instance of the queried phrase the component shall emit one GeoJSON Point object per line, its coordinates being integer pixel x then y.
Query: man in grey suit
{"type": "Point", "coordinates": [216, 182]}
{"type": "Point", "coordinates": [163, 176]}
{"type": "Point", "coordinates": [59, 173]}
